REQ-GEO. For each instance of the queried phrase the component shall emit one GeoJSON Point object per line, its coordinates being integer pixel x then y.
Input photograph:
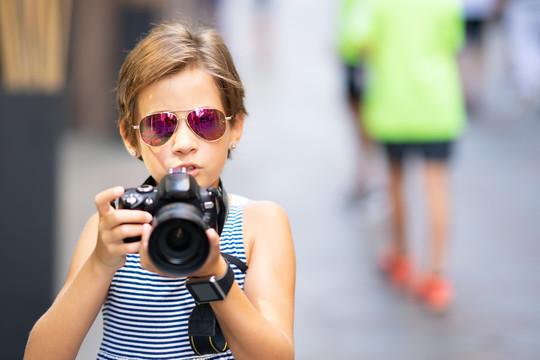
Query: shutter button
{"type": "Point", "coordinates": [131, 199]}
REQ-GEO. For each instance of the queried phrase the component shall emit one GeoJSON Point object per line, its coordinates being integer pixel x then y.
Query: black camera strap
{"type": "Point", "coordinates": [150, 181]}
{"type": "Point", "coordinates": [223, 193]}
{"type": "Point", "coordinates": [205, 335]}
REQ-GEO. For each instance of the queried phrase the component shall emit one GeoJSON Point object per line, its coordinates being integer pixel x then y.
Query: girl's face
{"type": "Point", "coordinates": [189, 89]}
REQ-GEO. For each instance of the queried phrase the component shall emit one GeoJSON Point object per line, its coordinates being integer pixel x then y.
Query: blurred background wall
{"type": "Point", "coordinates": [33, 57]}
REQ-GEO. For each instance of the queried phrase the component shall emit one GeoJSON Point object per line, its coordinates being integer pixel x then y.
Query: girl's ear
{"type": "Point", "coordinates": [132, 150]}
{"type": "Point", "coordinates": [236, 130]}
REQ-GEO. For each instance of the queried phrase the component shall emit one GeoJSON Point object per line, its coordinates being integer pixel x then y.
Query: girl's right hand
{"type": "Point", "coordinates": [115, 226]}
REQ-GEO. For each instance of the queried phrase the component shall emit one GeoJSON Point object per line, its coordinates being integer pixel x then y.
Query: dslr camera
{"type": "Point", "coordinates": [182, 211]}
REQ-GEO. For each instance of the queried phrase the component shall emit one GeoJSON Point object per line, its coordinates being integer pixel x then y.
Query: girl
{"type": "Point", "coordinates": [172, 80]}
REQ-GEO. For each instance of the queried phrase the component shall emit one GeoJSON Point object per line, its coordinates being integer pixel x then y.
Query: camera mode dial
{"type": "Point", "coordinates": [145, 189]}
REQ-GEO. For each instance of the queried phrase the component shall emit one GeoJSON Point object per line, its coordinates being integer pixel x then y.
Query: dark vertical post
{"type": "Point", "coordinates": [29, 127]}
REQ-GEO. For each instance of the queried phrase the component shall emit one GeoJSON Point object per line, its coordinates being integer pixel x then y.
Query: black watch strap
{"type": "Point", "coordinates": [210, 289]}
{"type": "Point", "coordinates": [225, 282]}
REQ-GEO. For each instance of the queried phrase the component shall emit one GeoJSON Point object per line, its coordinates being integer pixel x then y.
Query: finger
{"type": "Point", "coordinates": [213, 241]}
{"type": "Point", "coordinates": [131, 248]}
{"type": "Point", "coordinates": [145, 236]}
{"type": "Point", "coordinates": [124, 231]}
{"type": "Point", "coordinates": [103, 199]}
{"type": "Point", "coordinates": [143, 249]}
{"type": "Point", "coordinates": [213, 236]}
{"type": "Point", "coordinates": [122, 217]}
{"type": "Point", "coordinates": [133, 217]}
{"type": "Point", "coordinates": [145, 239]}
{"type": "Point", "coordinates": [214, 262]}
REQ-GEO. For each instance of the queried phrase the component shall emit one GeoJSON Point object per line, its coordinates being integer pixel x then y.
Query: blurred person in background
{"type": "Point", "coordinates": [479, 15]}
{"type": "Point", "coordinates": [476, 14]}
{"type": "Point", "coordinates": [414, 104]}
{"type": "Point", "coordinates": [366, 169]}
{"type": "Point", "coordinates": [522, 23]}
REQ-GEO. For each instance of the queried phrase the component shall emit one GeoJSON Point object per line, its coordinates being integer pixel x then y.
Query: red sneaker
{"type": "Point", "coordinates": [436, 292]}
{"type": "Point", "coordinates": [396, 267]}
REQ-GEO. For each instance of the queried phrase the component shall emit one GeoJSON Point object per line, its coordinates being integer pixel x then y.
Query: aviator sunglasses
{"type": "Point", "coordinates": [208, 124]}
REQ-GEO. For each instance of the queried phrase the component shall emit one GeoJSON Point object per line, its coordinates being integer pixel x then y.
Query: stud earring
{"type": "Point", "coordinates": [233, 146]}
{"type": "Point", "coordinates": [134, 153]}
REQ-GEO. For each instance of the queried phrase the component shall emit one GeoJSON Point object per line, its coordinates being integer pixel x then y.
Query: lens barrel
{"type": "Point", "coordinates": [178, 245]}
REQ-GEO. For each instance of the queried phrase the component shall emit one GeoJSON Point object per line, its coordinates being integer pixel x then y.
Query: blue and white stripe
{"type": "Point", "coordinates": [145, 315]}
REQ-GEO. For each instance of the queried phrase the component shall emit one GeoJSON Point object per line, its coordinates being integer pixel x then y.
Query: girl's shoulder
{"type": "Point", "coordinates": [268, 241]}
{"type": "Point", "coordinates": [259, 210]}
{"type": "Point", "coordinates": [265, 223]}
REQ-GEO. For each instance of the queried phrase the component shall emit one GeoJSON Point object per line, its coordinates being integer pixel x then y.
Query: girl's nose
{"type": "Point", "coordinates": [184, 140]}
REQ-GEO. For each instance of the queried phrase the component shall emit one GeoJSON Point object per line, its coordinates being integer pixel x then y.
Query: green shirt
{"type": "Point", "coordinates": [353, 25]}
{"type": "Point", "coordinates": [413, 93]}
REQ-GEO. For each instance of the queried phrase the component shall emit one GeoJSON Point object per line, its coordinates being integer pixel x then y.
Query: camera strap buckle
{"type": "Point", "coordinates": [202, 321]}
{"type": "Point", "coordinates": [205, 335]}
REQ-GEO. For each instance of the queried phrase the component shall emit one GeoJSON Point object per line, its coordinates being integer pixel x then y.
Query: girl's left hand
{"type": "Point", "coordinates": [214, 265]}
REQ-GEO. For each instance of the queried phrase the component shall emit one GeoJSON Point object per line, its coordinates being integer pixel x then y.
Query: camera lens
{"type": "Point", "coordinates": [178, 244]}
{"type": "Point", "coordinates": [177, 239]}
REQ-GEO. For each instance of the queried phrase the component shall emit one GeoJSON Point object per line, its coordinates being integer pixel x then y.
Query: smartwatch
{"type": "Point", "coordinates": [208, 288]}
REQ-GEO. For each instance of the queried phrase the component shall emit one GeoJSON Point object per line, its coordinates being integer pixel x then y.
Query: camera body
{"type": "Point", "coordinates": [182, 211]}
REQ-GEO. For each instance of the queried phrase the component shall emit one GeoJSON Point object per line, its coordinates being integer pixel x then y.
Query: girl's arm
{"type": "Point", "coordinates": [258, 322]}
{"type": "Point", "coordinates": [59, 333]}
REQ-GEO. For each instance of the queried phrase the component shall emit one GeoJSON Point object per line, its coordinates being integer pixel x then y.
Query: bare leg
{"type": "Point", "coordinates": [365, 170]}
{"type": "Point", "coordinates": [398, 206]}
{"type": "Point", "coordinates": [437, 191]}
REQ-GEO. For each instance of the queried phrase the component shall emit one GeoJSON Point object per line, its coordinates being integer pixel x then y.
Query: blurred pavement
{"type": "Point", "coordinates": [299, 150]}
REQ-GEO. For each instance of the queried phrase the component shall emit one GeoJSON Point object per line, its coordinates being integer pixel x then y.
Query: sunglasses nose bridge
{"type": "Point", "coordinates": [183, 136]}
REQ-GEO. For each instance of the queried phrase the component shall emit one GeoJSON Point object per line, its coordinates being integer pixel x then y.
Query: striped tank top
{"type": "Point", "coordinates": [145, 316]}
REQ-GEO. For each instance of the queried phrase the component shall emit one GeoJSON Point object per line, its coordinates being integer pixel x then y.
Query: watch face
{"type": "Point", "coordinates": [205, 292]}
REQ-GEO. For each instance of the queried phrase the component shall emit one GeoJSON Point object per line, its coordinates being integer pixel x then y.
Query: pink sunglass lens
{"type": "Point", "coordinates": [209, 124]}
{"type": "Point", "coordinates": [156, 129]}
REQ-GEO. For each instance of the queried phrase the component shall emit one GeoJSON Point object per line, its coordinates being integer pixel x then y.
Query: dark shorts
{"type": "Point", "coordinates": [354, 80]}
{"type": "Point", "coordinates": [438, 151]}
{"type": "Point", "coordinates": [474, 30]}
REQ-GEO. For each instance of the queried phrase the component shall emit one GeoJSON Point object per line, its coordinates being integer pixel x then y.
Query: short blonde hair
{"type": "Point", "coordinates": [168, 49]}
